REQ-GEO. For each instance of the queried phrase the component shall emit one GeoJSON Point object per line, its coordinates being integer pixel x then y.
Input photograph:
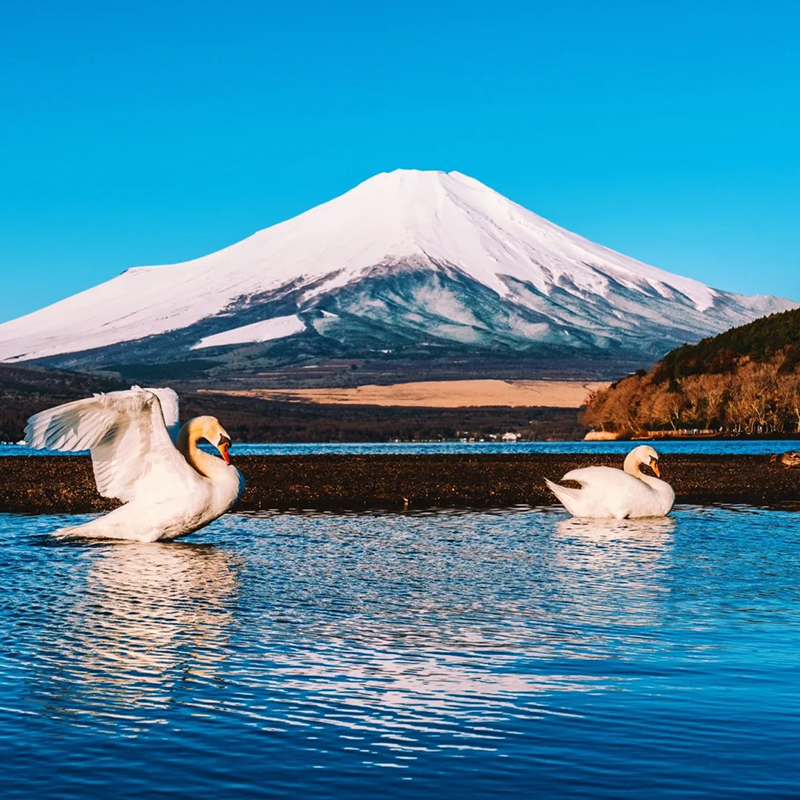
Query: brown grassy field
{"type": "Point", "coordinates": [25, 390]}
{"type": "Point", "coordinates": [442, 394]}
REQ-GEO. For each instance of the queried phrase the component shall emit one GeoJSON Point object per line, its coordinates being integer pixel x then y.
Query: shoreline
{"type": "Point", "coordinates": [65, 484]}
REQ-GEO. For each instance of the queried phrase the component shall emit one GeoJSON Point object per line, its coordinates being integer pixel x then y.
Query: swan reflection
{"type": "Point", "coordinates": [614, 566]}
{"type": "Point", "coordinates": [649, 531]}
{"type": "Point", "coordinates": [150, 617]}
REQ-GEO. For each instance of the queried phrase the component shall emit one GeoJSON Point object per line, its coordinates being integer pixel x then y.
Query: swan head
{"type": "Point", "coordinates": [209, 428]}
{"type": "Point", "coordinates": [644, 455]}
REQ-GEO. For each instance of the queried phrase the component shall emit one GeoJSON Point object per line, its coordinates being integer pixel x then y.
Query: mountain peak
{"type": "Point", "coordinates": [424, 187]}
{"type": "Point", "coordinates": [404, 259]}
{"type": "Point", "coordinates": [402, 186]}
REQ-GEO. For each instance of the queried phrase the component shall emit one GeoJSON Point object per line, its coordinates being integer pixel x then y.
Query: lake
{"type": "Point", "coordinates": [700, 446]}
{"type": "Point", "coordinates": [514, 653]}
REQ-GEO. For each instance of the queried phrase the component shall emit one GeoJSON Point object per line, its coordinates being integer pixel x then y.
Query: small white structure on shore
{"type": "Point", "coordinates": [510, 437]}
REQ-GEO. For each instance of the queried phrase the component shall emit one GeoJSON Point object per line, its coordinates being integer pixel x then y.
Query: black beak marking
{"type": "Point", "coordinates": [224, 440]}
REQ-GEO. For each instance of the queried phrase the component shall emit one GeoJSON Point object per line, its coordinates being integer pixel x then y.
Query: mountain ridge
{"type": "Point", "coordinates": [407, 263]}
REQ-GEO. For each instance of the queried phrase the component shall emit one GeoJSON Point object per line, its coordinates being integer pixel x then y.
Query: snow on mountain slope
{"type": "Point", "coordinates": [264, 331]}
{"type": "Point", "coordinates": [403, 258]}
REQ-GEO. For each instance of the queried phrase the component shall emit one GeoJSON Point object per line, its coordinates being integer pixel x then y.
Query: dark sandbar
{"type": "Point", "coordinates": [64, 484]}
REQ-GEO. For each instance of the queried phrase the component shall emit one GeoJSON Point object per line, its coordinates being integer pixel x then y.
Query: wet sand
{"type": "Point", "coordinates": [64, 484]}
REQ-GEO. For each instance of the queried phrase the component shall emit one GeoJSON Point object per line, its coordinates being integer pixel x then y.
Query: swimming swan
{"type": "Point", "coordinates": [618, 493]}
{"type": "Point", "coordinates": [168, 485]}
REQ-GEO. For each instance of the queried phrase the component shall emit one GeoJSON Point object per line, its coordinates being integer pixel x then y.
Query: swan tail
{"type": "Point", "coordinates": [69, 532]}
{"type": "Point", "coordinates": [94, 529]}
{"type": "Point", "coordinates": [567, 495]}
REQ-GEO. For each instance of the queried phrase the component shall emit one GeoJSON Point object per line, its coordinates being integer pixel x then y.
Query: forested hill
{"type": "Point", "coordinates": [759, 340]}
{"type": "Point", "coordinates": [746, 380]}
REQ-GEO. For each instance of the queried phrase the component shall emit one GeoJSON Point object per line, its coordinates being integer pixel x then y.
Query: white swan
{"type": "Point", "coordinates": [619, 494]}
{"type": "Point", "coordinates": [169, 486]}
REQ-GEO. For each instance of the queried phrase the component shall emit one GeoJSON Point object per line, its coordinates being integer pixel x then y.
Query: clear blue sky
{"type": "Point", "coordinates": [151, 132]}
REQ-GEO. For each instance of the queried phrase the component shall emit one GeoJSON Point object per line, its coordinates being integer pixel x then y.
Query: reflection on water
{"type": "Point", "coordinates": [613, 566]}
{"type": "Point", "coordinates": [470, 653]}
{"type": "Point", "coordinates": [626, 551]}
{"type": "Point", "coordinates": [654, 530]}
{"type": "Point", "coordinates": [142, 620]}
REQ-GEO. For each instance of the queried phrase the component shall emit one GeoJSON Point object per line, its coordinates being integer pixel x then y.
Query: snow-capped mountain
{"type": "Point", "coordinates": [406, 260]}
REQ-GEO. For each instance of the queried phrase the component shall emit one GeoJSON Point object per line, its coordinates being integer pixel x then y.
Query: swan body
{"type": "Point", "coordinates": [168, 485]}
{"type": "Point", "coordinates": [617, 493]}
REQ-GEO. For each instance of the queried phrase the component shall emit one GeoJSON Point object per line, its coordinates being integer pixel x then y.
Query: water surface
{"type": "Point", "coordinates": [513, 653]}
{"type": "Point", "coordinates": [699, 446]}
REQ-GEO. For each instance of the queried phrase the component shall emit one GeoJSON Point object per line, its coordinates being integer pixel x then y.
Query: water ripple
{"type": "Point", "coordinates": [470, 652]}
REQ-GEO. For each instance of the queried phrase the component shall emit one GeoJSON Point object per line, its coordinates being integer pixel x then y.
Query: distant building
{"type": "Point", "coordinates": [510, 437]}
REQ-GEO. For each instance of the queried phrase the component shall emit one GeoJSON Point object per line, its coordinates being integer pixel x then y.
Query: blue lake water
{"type": "Point", "coordinates": [703, 446]}
{"type": "Point", "coordinates": [513, 653]}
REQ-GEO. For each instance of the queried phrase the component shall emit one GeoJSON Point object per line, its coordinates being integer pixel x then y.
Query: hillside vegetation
{"type": "Point", "coordinates": [26, 390]}
{"type": "Point", "coordinates": [746, 380]}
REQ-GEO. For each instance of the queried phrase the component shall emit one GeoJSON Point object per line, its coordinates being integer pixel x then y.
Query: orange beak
{"type": "Point", "coordinates": [653, 466]}
{"type": "Point", "coordinates": [223, 449]}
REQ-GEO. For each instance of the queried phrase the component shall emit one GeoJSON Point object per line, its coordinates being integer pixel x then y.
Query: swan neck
{"type": "Point", "coordinates": [633, 466]}
{"type": "Point", "coordinates": [202, 462]}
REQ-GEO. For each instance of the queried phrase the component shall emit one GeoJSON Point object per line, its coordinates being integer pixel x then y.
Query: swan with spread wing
{"type": "Point", "coordinates": [169, 486]}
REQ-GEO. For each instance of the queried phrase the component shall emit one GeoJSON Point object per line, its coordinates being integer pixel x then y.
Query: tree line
{"type": "Point", "coordinates": [754, 397]}
{"type": "Point", "coordinates": [745, 380]}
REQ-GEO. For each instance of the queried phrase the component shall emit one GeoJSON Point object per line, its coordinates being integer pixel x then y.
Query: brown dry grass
{"type": "Point", "coordinates": [443, 394]}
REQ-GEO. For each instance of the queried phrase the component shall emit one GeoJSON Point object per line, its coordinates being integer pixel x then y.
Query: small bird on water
{"type": "Point", "coordinates": [790, 459]}
{"type": "Point", "coordinates": [169, 486]}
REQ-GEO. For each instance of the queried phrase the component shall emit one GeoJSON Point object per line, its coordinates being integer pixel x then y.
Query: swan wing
{"type": "Point", "coordinates": [170, 408]}
{"type": "Point", "coordinates": [600, 476]}
{"type": "Point", "coordinates": [609, 485]}
{"type": "Point", "coordinates": [125, 432]}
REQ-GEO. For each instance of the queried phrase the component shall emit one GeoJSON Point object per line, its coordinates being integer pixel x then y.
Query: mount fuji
{"type": "Point", "coordinates": [408, 264]}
